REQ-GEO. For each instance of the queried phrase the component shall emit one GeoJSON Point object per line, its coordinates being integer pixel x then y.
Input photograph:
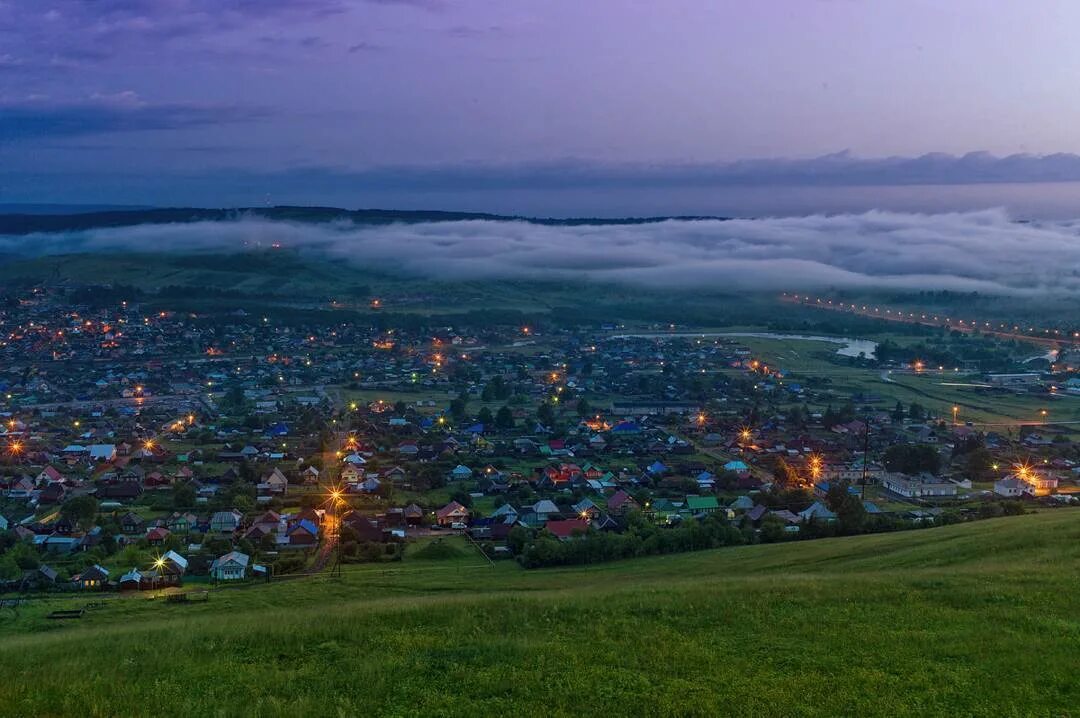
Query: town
{"type": "Point", "coordinates": [166, 451]}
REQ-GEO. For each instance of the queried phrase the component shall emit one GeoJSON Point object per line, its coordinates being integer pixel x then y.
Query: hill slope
{"type": "Point", "coordinates": [976, 619]}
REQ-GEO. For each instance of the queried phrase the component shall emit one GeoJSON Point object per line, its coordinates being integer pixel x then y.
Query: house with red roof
{"type": "Point", "coordinates": [621, 503]}
{"type": "Point", "coordinates": [50, 475]}
{"type": "Point", "coordinates": [452, 513]}
{"type": "Point", "coordinates": [157, 535]}
{"type": "Point", "coordinates": [566, 529]}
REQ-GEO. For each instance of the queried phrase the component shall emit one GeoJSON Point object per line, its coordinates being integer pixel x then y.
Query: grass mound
{"type": "Point", "coordinates": [438, 550]}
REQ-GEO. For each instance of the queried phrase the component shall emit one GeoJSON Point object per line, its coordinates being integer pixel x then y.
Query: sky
{"type": "Point", "coordinates": [553, 107]}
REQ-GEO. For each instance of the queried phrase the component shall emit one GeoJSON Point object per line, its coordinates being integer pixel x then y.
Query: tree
{"type": "Point", "coordinates": [784, 476]}
{"type": "Point", "coordinates": [583, 407]}
{"type": "Point", "coordinates": [463, 498]}
{"type": "Point", "coordinates": [81, 509]}
{"type": "Point", "coordinates": [916, 412]}
{"type": "Point", "coordinates": [429, 476]}
{"type": "Point", "coordinates": [849, 509]}
{"type": "Point", "coordinates": [517, 539]}
{"type": "Point", "coordinates": [912, 458]}
{"type": "Point", "coordinates": [979, 464]}
{"type": "Point", "coordinates": [457, 409]}
{"type": "Point", "coordinates": [183, 496]}
{"type": "Point", "coordinates": [504, 418]}
{"type": "Point", "coordinates": [485, 417]}
{"type": "Point", "coordinates": [898, 413]}
{"type": "Point", "coordinates": [545, 414]}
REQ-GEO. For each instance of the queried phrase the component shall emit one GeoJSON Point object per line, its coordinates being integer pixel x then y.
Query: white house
{"type": "Point", "coordinates": [230, 567]}
{"type": "Point", "coordinates": [918, 486]}
{"type": "Point", "coordinates": [1011, 487]}
{"type": "Point", "coordinates": [274, 483]}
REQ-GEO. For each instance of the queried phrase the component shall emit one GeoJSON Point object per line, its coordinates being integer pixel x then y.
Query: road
{"type": "Point", "coordinates": [1054, 342]}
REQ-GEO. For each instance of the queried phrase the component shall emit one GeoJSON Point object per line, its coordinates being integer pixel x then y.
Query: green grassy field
{"type": "Point", "coordinates": [975, 619]}
{"type": "Point", "coordinates": [997, 410]}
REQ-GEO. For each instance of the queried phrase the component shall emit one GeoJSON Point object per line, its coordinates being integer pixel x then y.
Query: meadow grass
{"type": "Point", "coordinates": [974, 619]}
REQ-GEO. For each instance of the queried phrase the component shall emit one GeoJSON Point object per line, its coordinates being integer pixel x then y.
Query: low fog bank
{"type": "Point", "coordinates": [981, 251]}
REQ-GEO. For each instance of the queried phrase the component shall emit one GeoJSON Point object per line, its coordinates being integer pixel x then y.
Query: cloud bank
{"type": "Point", "coordinates": [973, 251]}
{"type": "Point", "coordinates": [102, 114]}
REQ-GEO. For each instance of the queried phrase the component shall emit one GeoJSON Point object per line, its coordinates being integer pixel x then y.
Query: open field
{"type": "Point", "coordinates": [974, 619]}
{"type": "Point", "coordinates": [937, 391]}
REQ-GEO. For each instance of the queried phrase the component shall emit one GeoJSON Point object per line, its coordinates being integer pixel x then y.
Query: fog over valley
{"type": "Point", "coordinates": [985, 251]}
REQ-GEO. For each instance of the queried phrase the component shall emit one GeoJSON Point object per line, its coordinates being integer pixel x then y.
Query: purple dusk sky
{"type": "Point", "coordinates": [532, 104]}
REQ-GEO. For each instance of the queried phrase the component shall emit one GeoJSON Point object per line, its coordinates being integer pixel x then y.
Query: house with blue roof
{"type": "Point", "coordinates": [460, 472]}
{"type": "Point", "coordinates": [817, 511]}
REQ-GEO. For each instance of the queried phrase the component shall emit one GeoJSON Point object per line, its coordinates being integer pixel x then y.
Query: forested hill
{"type": "Point", "coordinates": [17, 224]}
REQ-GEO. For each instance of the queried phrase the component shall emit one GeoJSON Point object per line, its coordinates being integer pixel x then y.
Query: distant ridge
{"type": "Point", "coordinates": [40, 208]}
{"type": "Point", "coordinates": [18, 223]}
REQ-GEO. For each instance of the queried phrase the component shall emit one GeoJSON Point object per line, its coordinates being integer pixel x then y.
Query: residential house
{"type": "Point", "coordinates": [157, 536]}
{"type": "Point", "coordinates": [94, 578]}
{"type": "Point", "coordinates": [461, 473]}
{"type": "Point", "coordinates": [50, 475]}
{"type": "Point", "coordinates": [413, 514]}
{"type": "Point", "coordinates": [621, 503]}
{"type": "Point", "coordinates": [102, 452]}
{"type": "Point", "coordinates": [565, 529]}
{"type": "Point", "coordinates": [1012, 487]}
{"type": "Point", "coordinates": [173, 563]}
{"type": "Point", "coordinates": [702, 504]}
{"type": "Point", "coordinates": [274, 483]}
{"type": "Point", "coordinates": [303, 533]}
{"type": "Point", "coordinates": [545, 509]}
{"type": "Point", "coordinates": [233, 566]}
{"type": "Point", "coordinates": [226, 521]}
{"type": "Point", "coordinates": [132, 523]}
{"type": "Point", "coordinates": [181, 522]}
{"type": "Point", "coordinates": [452, 513]}
{"type": "Point", "coordinates": [817, 511]}
{"type": "Point", "coordinates": [923, 485]}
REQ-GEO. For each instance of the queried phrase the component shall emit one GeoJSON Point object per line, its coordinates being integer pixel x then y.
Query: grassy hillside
{"type": "Point", "coordinates": [976, 619]}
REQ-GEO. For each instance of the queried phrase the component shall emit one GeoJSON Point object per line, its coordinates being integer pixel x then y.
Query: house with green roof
{"type": "Point", "coordinates": [702, 504]}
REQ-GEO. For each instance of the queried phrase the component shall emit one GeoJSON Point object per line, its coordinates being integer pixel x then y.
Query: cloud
{"type": "Point", "coordinates": [974, 251]}
{"type": "Point", "coordinates": [364, 47]}
{"type": "Point", "coordinates": [66, 34]}
{"type": "Point", "coordinates": [101, 114]}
